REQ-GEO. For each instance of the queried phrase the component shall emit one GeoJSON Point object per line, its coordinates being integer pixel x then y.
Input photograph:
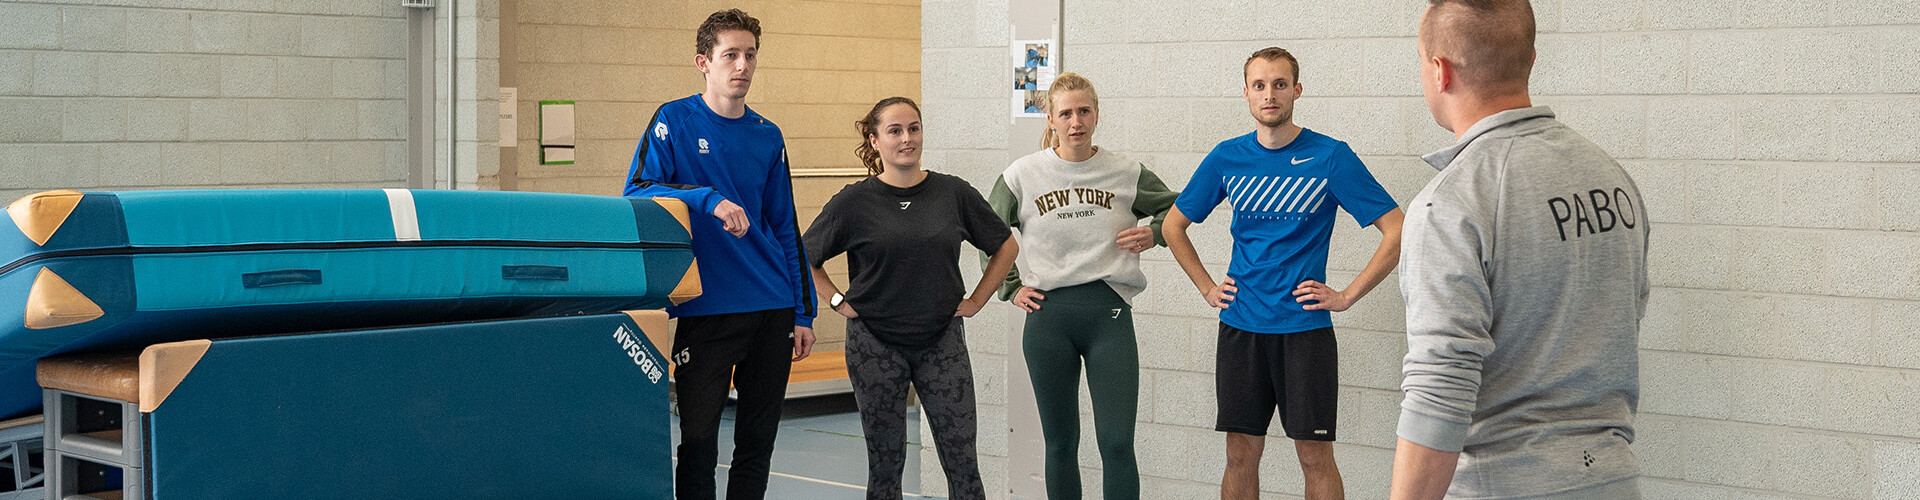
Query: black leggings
{"type": "Point", "coordinates": [942, 373]}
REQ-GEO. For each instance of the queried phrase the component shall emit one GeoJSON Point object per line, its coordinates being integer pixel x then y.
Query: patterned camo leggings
{"type": "Point", "coordinates": [944, 376]}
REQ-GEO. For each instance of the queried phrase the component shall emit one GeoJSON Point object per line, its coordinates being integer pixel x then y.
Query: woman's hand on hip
{"type": "Point", "coordinates": [1028, 299]}
{"type": "Point", "coordinates": [968, 308]}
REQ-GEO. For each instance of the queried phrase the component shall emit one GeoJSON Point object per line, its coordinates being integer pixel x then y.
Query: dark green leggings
{"type": "Point", "coordinates": [1088, 322]}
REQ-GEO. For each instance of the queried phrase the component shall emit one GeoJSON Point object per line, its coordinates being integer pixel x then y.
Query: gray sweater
{"type": "Point", "coordinates": [1524, 269]}
{"type": "Point", "coordinates": [1070, 213]}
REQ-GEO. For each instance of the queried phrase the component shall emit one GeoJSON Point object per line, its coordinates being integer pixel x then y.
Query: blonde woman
{"type": "Point", "coordinates": [1078, 208]}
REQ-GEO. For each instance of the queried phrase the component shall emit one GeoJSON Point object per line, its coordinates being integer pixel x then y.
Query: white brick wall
{"type": "Point", "coordinates": [142, 94]}
{"type": "Point", "coordinates": [1775, 143]}
{"type": "Point", "coordinates": [475, 155]}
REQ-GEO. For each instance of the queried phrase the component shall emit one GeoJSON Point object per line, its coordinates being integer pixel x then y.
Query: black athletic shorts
{"type": "Point", "coordinates": [1297, 372]}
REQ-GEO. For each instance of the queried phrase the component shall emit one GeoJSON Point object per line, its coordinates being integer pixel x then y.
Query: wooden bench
{"type": "Point", "coordinates": [83, 385]}
{"type": "Point", "coordinates": [822, 373]}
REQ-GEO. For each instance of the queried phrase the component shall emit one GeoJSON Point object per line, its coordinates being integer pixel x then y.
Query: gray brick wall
{"type": "Point", "coordinates": [142, 94]}
{"type": "Point", "coordinates": [1775, 142]}
{"type": "Point", "coordinates": [963, 59]}
{"type": "Point", "coordinates": [475, 155]}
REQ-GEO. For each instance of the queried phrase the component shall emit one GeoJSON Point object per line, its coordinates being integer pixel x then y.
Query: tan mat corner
{"type": "Point", "coordinates": [53, 303]}
{"type": "Point", "coordinates": [689, 286]}
{"type": "Point", "coordinates": [653, 323]}
{"type": "Point", "coordinates": [678, 209]}
{"type": "Point", "coordinates": [39, 215]}
{"type": "Point", "coordinates": [163, 366]}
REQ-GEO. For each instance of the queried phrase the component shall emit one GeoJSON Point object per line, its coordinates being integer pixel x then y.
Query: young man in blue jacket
{"type": "Point", "coordinates": [755, 316]}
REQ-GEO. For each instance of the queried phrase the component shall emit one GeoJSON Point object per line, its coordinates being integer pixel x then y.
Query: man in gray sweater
{"type": "Point", "coordinates": [1525, 275]}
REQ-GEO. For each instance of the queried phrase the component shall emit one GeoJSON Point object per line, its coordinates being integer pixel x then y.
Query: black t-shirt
{"type": "Point", "coordinates": [903, 251]}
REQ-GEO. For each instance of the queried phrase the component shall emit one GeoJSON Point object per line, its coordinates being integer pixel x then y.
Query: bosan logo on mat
{"type": "Point", "coordinates": [628, 342]}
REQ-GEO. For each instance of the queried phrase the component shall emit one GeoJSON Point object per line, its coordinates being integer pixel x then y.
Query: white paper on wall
{"type": "Point", "coordinates": [509, 117]}
{"type": "Point", "coordinates": [556, 132]}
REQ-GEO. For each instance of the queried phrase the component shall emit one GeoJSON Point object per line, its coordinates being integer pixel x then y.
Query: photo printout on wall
{"type": "Point", "coordinates": [1033, 70]}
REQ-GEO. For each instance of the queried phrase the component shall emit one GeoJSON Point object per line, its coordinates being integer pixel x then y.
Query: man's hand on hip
{"type": "Point", "coordinates": [1221, 296]}
{"type": "Point", "coordinates": [1323, 296]}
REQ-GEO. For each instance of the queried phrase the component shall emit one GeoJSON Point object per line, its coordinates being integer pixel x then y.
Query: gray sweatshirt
{"type": "Point", "coordinates": [1524, 269]}
{"type": "Point", "coordinates": [1070, 213]}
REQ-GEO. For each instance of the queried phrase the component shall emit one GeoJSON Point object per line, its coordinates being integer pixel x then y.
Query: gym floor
{"type": "Point", "coordinates": [820, 453]}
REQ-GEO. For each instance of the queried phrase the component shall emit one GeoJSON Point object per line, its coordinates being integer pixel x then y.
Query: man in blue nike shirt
{"type": "Point", "coordinates": [1277, 346]}
{"type": "Point", "coordinates": [755, 315]}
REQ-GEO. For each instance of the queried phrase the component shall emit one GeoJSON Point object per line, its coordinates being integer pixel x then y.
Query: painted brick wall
{"type": "Point", "coordinates": [475, 153]}
{"type": "Point", "coordinates": [1775, 143]}
{"type": "Point", "coordinates": [126, 94]}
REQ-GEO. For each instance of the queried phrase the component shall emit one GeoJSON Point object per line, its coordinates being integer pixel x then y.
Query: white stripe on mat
{"type": "Point", "coordinates": [406, 222]}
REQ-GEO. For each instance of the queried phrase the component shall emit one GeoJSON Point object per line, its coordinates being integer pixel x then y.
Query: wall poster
{"type": "Point", "coordinates": [1033, 70]}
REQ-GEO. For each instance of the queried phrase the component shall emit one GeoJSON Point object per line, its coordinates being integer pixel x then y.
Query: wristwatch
{"type": "Point", "coordinates": [836, 301]}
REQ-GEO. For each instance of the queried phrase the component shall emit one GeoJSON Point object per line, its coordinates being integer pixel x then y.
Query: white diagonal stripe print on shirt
{"type": "Point", "coordinates": [1259, 194]}
{"type": "Point", "coordinates": [1298, 188]}
{"type": "Point", "coordinates": [1316, 203]}
{"type": "Point", "coordinates": [1265, 194]}
{"type": "Point", "coordinates": [1286, 190]}
{"type": "Point", "coordinates": [1237, 187]}
{"type": "Point", "coordinates": [1265, 198]}
{"type": "Point", "coordinates": [1254, 185]}
{"type": "Point", "coordinates": [1302, 201]}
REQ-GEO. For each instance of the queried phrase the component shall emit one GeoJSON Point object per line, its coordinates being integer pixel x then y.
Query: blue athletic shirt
{"type": "Point", "coordinates": [1283, 202]}
{"type": "Point", "coordinates": [700, 157]}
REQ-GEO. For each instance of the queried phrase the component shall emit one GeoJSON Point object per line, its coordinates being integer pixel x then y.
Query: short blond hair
{"type": "Point", "coordinates": [1489, 42]}
{"type": "Point", "coordinates": [1269, 54]}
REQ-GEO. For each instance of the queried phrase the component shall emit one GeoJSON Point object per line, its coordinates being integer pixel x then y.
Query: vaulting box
{"type": "Point", "coordinates": [567, 407]}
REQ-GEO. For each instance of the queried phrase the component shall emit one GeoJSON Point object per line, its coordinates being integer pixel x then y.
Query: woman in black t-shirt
{"type": "Point", "coordinates": [901, 229]}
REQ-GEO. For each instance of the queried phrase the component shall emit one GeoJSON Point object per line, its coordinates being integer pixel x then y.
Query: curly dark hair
{"type": "Point", "coordinates": [726, 20]}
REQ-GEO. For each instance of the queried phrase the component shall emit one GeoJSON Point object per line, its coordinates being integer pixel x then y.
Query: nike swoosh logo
{"type": "Point", "coordinates": [1297, 160]}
